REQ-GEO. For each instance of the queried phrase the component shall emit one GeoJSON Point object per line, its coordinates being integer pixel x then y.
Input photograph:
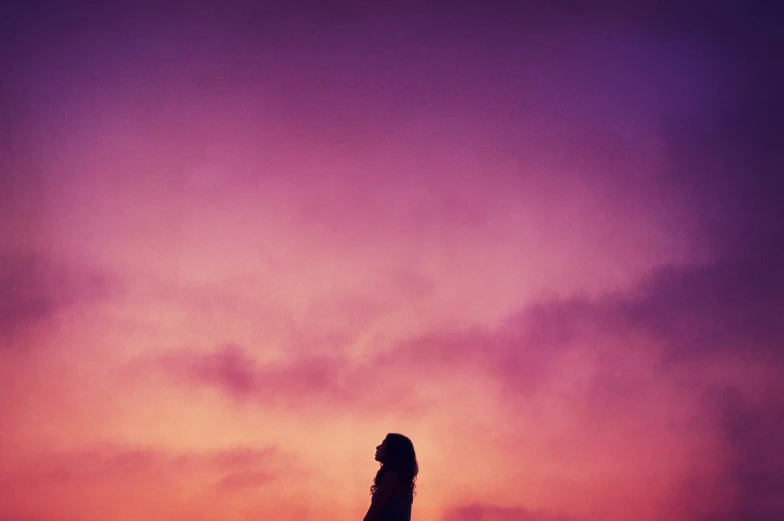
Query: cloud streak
{"type": "Point", "coordinates": [111, 463]}
{"type": "Point", "coordinates": [231, 369]}
{"type": "Point", "coordinates": [34, 289]}
{"type": "Point", "coordinates": [484, 512]}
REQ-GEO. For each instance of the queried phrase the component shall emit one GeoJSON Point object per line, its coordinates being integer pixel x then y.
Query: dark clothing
{"type": "Point", "coordinates": [396, 509]}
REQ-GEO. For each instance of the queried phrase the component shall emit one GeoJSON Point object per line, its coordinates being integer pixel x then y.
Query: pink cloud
{"type": "Point", "coordinates": [488, 512]}
{"type": "Point", "coordinates": [233, 370]}
{"type": "Point", "coordinates": [34, 288]}
{"type": "Point", "coordinates": [142, 480]}
{"type": "Point", "coordinates": [244, 480]}
{"type": "Point", "coordinates": [228, 469]}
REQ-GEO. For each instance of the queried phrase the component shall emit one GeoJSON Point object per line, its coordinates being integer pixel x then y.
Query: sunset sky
{"type": "Point", "coordinates": [241, 242]}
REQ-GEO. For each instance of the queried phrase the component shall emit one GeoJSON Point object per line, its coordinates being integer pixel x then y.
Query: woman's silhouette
{"type": "Point", "coordinates": [393, 486]}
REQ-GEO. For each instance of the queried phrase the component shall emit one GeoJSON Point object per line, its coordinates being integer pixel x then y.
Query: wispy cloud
{"type": "Point", "coordinates": [35, 287]}
{"type": "Point", "coordinates": [489, 512]}
{"type": "Point", "coordinates": [102, 464]}
{"type": "Point", "coordinates": [86, 483]}
{"type": "Point", "coordinates": [231, 369]}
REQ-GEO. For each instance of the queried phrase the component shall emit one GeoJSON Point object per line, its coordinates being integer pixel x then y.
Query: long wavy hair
{"type": "Point", "coordinates": [399, 457]}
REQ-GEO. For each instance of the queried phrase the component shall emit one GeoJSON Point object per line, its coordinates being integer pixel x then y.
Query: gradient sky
{"type": "Point", "coordinates": [240, 243]}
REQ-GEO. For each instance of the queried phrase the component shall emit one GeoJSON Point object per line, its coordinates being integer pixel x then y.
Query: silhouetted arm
{"type": "Point", "coordinates": [382, 495]}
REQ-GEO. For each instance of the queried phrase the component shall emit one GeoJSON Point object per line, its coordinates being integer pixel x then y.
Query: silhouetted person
{"type": "Point", "coordinates": [393, 486]}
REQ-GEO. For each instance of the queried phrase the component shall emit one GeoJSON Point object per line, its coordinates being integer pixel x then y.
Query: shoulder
{"type": "Point", "coordinates": [387, 484]}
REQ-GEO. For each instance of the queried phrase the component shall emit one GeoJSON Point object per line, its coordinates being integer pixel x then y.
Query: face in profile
{"type": "Point", "coordinates": [381, 451]}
